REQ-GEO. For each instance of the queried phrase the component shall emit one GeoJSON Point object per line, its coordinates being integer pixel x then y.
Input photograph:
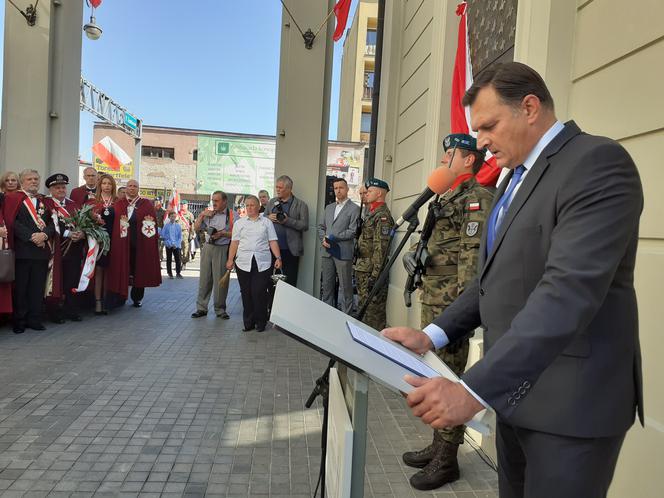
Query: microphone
{"type": "Point", "coordinates": [439, 182]}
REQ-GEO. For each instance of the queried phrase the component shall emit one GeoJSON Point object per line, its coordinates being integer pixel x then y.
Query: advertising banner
{"type": "Point", "coordinates": [235, 165]}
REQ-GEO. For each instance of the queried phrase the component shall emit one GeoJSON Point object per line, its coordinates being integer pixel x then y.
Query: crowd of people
{"type": "Point", "coordinates": [61, 257]}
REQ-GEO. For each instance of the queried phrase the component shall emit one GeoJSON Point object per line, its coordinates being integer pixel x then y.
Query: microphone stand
{"type": "Point", "coordinates": [323, 382]}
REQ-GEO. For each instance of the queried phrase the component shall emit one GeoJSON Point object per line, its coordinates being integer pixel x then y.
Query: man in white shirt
{"type": "Point", "coordinates": [337, 234]}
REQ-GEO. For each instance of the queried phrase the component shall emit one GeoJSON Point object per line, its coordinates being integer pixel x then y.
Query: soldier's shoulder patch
{"type": "Point", "coordinates": [472, 228]}
{"type": "Point", "coordinates": [383, 218]}
{"type": "Point", "coordinates": [385, 230]}
{"type": "Point", "coordinates": [474, 206]}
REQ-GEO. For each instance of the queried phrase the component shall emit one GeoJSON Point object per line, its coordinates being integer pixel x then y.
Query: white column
{"type": "Point", "coordinates": [303, 119]}
{"type": "Point", "coordinates": [41, 89]}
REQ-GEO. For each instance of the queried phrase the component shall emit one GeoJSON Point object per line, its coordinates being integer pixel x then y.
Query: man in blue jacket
{"type": "Point", "coordinates": [171, 234]}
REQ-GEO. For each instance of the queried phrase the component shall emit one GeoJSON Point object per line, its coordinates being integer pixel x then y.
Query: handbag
{"type": "Point", "coordinates": [6, 263]}
{"type": "Point", "coordinates": [277, 276]}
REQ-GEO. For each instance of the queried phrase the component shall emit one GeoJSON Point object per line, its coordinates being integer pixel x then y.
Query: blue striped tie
{"type": "Point", "coordinates": [503, 203]}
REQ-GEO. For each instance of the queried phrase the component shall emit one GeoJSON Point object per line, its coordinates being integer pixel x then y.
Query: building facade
{"type": "Point", "coordinates": [357, 74]}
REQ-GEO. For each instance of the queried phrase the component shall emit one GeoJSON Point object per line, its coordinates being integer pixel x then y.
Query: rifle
{"type": "Point", "coordinates": [415, 262]}
{"type": "Point", "coordinates": [358, 232]}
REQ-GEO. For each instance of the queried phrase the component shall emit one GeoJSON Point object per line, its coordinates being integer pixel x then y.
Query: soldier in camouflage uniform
{"type": "Point", "coordinates": [186, 220]}
{"type": "Point", "coordinates": [453, 256]}
{"type": "Point", "coordinates": [372, 245]}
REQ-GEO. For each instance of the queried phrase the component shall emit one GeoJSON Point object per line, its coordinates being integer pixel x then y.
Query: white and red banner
{"type": "Point", "coordinates": [89, 265]}
{"type": "Point", "coordinates": [173, 203]}
{"type": "Point", "coordinates": [111, 153]}
{"type": "Point", "coordinates": [462, 80]}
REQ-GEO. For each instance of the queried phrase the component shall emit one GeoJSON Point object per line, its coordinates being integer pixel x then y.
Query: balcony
{"type": "Point", "coordinates": [367, 93]}
{"type": "Point", "coordinates": [370, 50]}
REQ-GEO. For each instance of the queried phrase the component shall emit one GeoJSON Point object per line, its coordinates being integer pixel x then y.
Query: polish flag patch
{"type": "Point", "coordinates": [474, 206]}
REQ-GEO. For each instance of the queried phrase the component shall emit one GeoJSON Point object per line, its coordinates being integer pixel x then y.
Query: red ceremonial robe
{"type": "Point", "coordinates": [70, 207]}
{"type": "Point", "coordinates": [8, 210]}
{"type": "Point", "coordinates": [80, 195]}
{"type": "Point", "coordinates": [148, 271]}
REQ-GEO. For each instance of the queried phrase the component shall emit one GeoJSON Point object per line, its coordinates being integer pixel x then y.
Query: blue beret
{"type": "Point", "coordinates": [376, 182]}
{"type": "Point", "coordinates": [460, 141]}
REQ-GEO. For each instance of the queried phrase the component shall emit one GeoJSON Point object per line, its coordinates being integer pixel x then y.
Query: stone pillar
{"type": "Point", "coordinates": [41, 89]}
{"type": "Point", "coordinates": [303, 119]}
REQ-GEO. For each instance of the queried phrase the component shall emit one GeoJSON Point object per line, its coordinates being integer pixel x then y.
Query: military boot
{"type": "Point", "coordinates": [443, 469]}
{"type": "Point", "coordinates": [421, 458]}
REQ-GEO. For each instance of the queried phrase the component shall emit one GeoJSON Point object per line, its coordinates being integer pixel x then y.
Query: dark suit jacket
{"type": "Point", "coordinates": [340, 231]}
{"type": "Point", "coordinates": [556, 295]}
{"type": "Point", "coordinates": [24, 227]}
{"type": "Point", "coordinates": [296, 224]}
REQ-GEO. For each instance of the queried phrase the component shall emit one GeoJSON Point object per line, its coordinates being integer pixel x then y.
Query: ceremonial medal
{"type": "Point", "coordinates": [106, 212]}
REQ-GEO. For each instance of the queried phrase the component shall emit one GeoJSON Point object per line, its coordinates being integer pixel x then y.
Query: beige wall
{"type": "Point", "coordinates": [602, 62]}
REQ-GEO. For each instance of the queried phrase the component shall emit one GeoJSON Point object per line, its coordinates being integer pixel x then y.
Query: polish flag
{"type": "Point", "coordinates": [173, 203]}
{"type": "Point", "coordinates": [341, 13]}
{"type": "Point", "coordinates": [111, 153]}
{"type": "Point", "coordinates": [461, 81]}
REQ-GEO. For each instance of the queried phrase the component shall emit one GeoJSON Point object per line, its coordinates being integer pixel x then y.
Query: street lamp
{"type": "Point", "coordinates": [92, 30]}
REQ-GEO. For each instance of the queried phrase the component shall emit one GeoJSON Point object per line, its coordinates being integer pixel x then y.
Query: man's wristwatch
{"type": "Point", "coordinates": [278, 257]}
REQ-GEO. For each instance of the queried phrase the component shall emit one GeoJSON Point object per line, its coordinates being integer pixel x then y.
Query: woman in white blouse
{"type": "Point", "coordinates": [253, 238]}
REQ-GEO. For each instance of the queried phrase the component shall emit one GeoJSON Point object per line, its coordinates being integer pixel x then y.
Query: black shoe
{"type": "Point", "coordinates": [75, 318]}
{"type": "Point", "coordinates": [421, 458]}
{"type": "Point", "coordinates": [443, 469]}
{"type": "Point", "coordinates": [58, 320]}
{"type": "Point", "coordinates": [171, 277]}
{"type": "Point", "coordinates": [178, 276]}
{"type": "Point", "coordinates": [247, 328]}
{"type": "Point", "coordinates": [198, 314]}
{"type": "Point", "coordinates": [137, 304]}
{"type": "Point", "coordinates": [260, 329]}
{"type": "Point", "coordinates": [35, 326]}
{"type": "Point", "coordinates": [223, 315]}
{"type": "Point", "coordinates": [19, 329]}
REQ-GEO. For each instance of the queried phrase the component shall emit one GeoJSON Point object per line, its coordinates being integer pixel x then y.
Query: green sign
{"type": "Point", "coordinates": [235, 165]}
{"type": "Point", "coordinates": [223, 148]}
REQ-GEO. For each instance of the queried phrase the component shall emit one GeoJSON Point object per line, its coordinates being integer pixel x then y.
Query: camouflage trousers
{"type": "Point", "coordinates": [454, 356]}
{"type": "Point", "coordinates": [184, 253]}
{"type": "Point", "coordinates": [375, 316]}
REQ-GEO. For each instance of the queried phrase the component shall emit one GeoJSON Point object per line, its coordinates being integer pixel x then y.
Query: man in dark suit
{"type": "Point", "coordinates": [337, 237]}
{"type": "Point", "coordinates": [33, 230]}
{"type": "Point", "coordinates": [562, 364]}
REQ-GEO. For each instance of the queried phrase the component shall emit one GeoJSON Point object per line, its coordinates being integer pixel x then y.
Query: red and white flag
{"type": "Point", "coordinates": [173, 203]}
{"type": "Point", "coordinates": [111, 153]}
{"type": "Point", "coordinates": [341, 10]}
{"type": "Point", "coordinates": [461, 81]}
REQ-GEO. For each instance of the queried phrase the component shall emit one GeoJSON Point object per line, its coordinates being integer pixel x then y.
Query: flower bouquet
{"type": "Point", "coordinates": [92, 225]}
{"type": "Point", "coordinates": [99, 243]}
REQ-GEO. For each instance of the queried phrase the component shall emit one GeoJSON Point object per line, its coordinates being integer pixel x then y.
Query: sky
{"type": "Point", "coordinates": [210, 64]}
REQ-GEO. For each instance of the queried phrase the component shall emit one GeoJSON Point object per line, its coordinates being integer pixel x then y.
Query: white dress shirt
{"type": "Point", "coordinates": [339, 207]}
{"type": "Point", "coordinates": [254, 237]}
{"type": "Point", "coordinates": [436, 334]}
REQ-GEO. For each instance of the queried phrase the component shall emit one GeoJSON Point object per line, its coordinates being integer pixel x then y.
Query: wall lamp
{"type": "Point", "coordinates": [92, 29]}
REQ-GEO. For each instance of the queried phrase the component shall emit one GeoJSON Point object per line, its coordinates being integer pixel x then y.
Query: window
{"type": "Point", "coordinates": [371, 36]}
{"type": "Point", "coordinates": [158, 152]}
{"type": "Point", "coordinates": [365, 127]}
{"type": "Point", "coordinates": [194, 154]}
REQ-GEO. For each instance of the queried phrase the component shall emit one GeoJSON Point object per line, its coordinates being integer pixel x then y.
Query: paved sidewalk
{"type": "Point", "coordinates": [150, 402]}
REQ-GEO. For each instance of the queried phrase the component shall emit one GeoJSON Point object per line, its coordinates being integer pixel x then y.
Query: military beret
{"type": "Point", "coordinates": [376, 182]}
{"type": "Point", "coordinates": [57, 179]}
{"type": "Point", "coordinates": [460, 141]}
{"type": "Point", "coordinates": [184, 201]}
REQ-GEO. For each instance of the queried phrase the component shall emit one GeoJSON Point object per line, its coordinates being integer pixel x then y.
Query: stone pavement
{"type": "Point", "coordinates": [150, 402]}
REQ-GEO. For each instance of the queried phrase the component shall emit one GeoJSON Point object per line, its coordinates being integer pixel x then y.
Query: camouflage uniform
{"type": "Point", "coordinates": [372, 245]}
{"type": "Point", "coordinates": [187, 225]}
{"type": "Point", "coordinates": [452, 264]}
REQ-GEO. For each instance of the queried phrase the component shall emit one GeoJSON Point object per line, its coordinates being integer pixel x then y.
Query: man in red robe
{"type": "Point", "coordinates": [87, 191]}
{"type": "Point", "coordinates": [68, 246]}
{"type": "Point", "coordinates": [134, 247]}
